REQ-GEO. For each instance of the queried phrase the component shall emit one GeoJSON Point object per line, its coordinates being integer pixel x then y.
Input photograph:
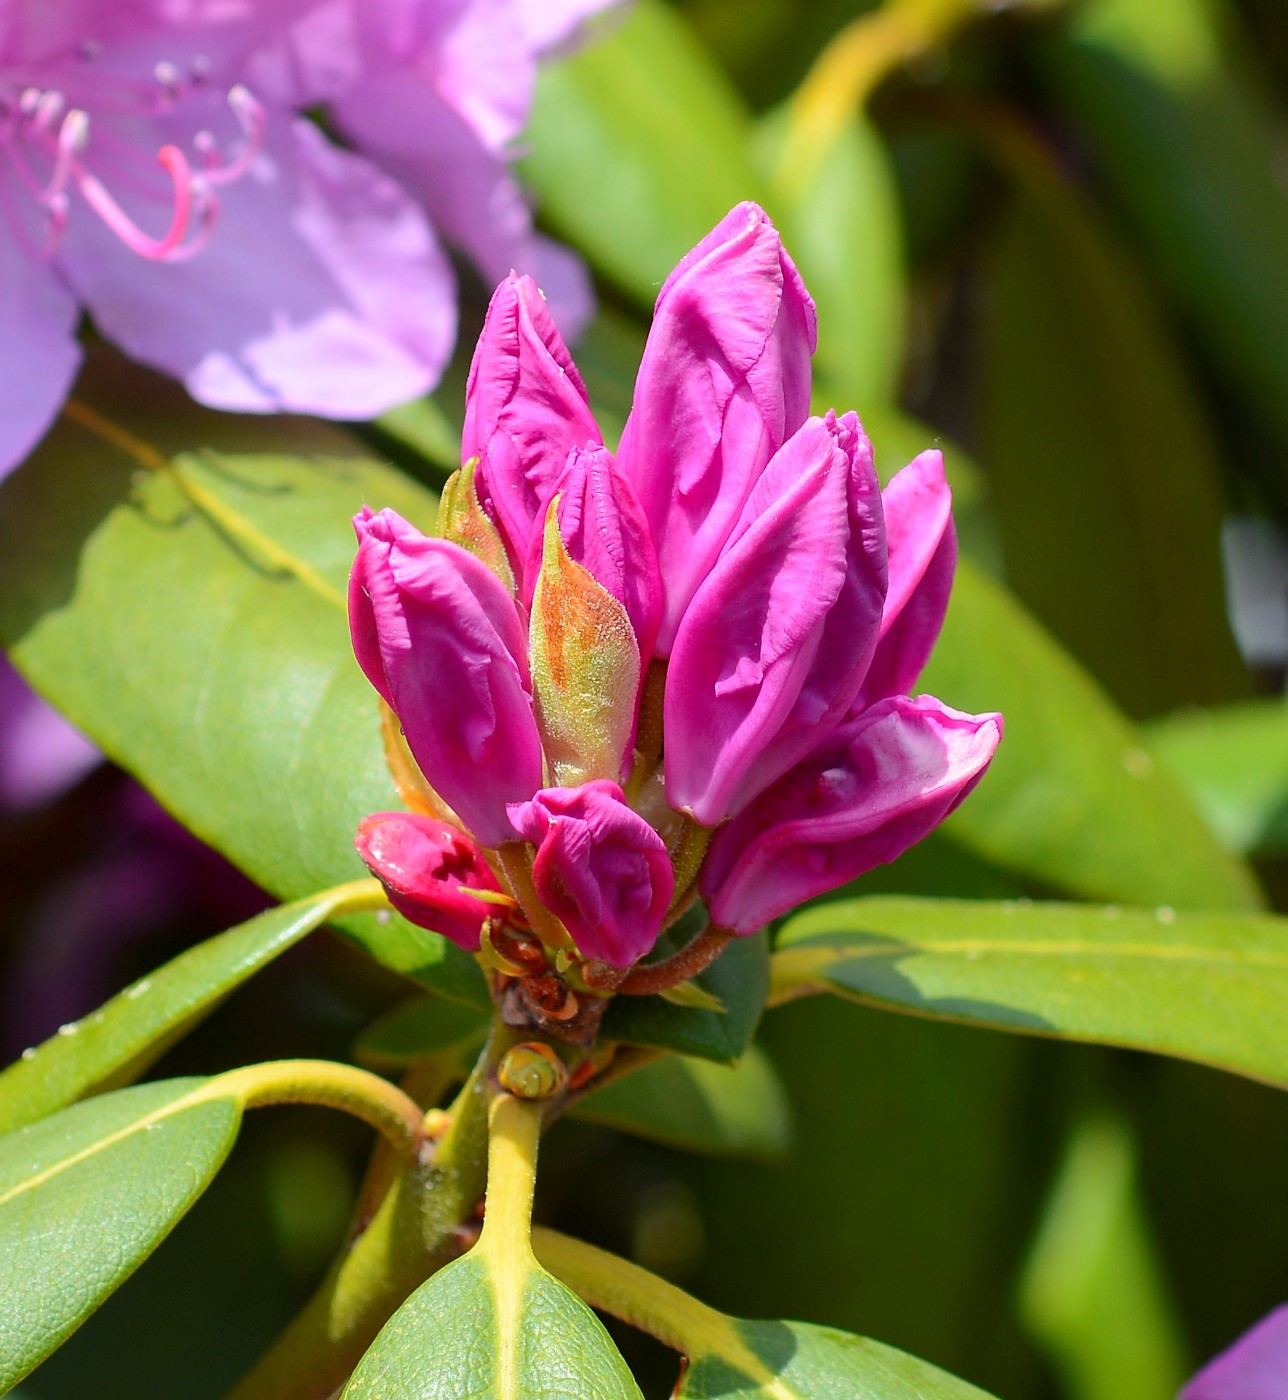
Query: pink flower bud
{"type": "Point", "coordinates": [922, 547]}
{"type": "Point", "coordinates": [600, 868]}
{"type": "Point", "coordinates": [775, 644]}
{"type": "Point", "coordinates": [525, 410]}
{"type": "Point", "coordinates": [603, 528]}
{"type": "Point", "coordinates": [439, 637]}
{"type": "Point", "coordinates": [878, 784]}
{"type": "Point", "coordinates": [428, 869]}
{"type": "Point", "coordinates": [723, 383]}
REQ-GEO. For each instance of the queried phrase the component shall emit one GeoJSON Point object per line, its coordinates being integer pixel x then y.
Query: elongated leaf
{"type": "Point", "coordinates": [483, 1328]}
{"type": "Point", "coordinates": [729, 1358]}
{"type": "Point", "coordinates": [739, 979]}
{"type": "Point", "coordinates": [125, 1036]}
{"type": "Point", "coordinates": [1072, 799]}
{"type": "Point", "coordinates": [698, 1106]}
{"type": "Point", "coordinates": [1204, 987]}
{"type": "Point", "coordinates": [87, 1195]}
{"type": "Point", "coordinates": [798, 1361]}
{"type": "Point", "coordinates": [1234, 764]}
{"type": "Point", "coordinates": [638, 147]}
{"type": "Point", "coordinates": [1093, 1291]}
{"type": "Point", "coordinates": [188, 613]}
{"type": "Point", "coordinates": [1106, 470]}
{"type": "Point", "coordinates": [1178, 126]}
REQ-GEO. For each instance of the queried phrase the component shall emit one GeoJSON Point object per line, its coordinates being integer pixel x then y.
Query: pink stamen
{"type": "Point", "coordinates": [253, 122]}
{"type": "Point", "coordinates": [95, 194]}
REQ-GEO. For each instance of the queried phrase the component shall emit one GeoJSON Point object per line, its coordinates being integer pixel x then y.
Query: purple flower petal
{"type": "Point", "coordinates": [877, 785]}
{"type": "Point", "coordinates": [599, 867]}
{"type": "Point", "coordinates": [923, 557]}
{"type": "Point", "coordinates": [441, 640]}
{"type": "Point", "coordinates": [41, 755]}
{"type": "Point", "coordinates": [38, 318]}
{"type": "Point", "coordinates": [525, 411]}
{"type": "Point", "coordinates": [323, 289]}
{"type": "Point", "coordinates": [723, 383]}
{"type": "Point", "coordinates": [1253, 1368]}
{"type": "Point", "coordinates": [774, 645]}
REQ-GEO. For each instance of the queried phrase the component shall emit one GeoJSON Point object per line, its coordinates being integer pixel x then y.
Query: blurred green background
{"type": "Point", "coordinates": [1052, 239]}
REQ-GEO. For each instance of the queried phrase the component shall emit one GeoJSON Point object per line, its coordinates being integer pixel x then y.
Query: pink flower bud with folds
{"type": "Point", "coordinates": [922, 546]}
{"type": "Point", "coordinates": [603, 528]}
{"type": "Point", "coordinates": [436, 633]}
{"type": "Point", "coordinates": [525, 410]}
{"type": "Point", "coordinates": [775, 644]}
{"type": "Point", "coordinates": [428, 869]}
{"type": "Point", "coordinates": [723, 383]}
{"type": "Point", "coordinates": [599, 867]}
{"type": "Point", "coordinates": [878, 784]}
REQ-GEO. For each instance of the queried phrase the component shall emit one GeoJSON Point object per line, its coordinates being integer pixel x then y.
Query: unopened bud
{"type": "Point", "coordinates": [532, 1071]}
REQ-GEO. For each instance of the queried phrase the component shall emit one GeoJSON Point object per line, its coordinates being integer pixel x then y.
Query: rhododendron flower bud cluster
{"type": "Point", "coordinates": [679, 671]}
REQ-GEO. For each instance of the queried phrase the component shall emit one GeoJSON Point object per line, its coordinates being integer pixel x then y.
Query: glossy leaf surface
{"type": "Point", "coordinates": [189, 615]}
{"type": "Point", "coordinates": [698, 1106]}
{"type": "Point", "coordinates": [125, 1036]}
{"type": "Point", "coordinates": [1072, 799]}
{"type": "Point", "coordinates": [798, 1361]}
{"type": "Point", "coordinates": [1204, 987]}
{"type": "Point", "coordinates": [496, 1327]}
{"type": "Point", "coordinates": [416, 1029]}
{"type": "Point", "coordinates": [87, 1195]}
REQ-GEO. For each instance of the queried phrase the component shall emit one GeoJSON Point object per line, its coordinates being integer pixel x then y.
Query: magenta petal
{"type": "Point", "coordinates": [428, 868]}
{"type": "Point", "coordinates": [603, 528]}
{"type": "Point", "coordinates": [723, 383]}
{"type": "Point", "coordinates": [923, 556]}
{"type": "Point", "coordinates": [439, 637]}
{"type": "Point", "coordinates": [878, 784]}
{"type": "Point", "coordinates": [1253, 1368]}
{"type": "Point", "coordinates": [525, 411]}
{"type": "Point", "coordinates": [774, 645]}
{"type": "Point", "coordinates": [599, 867]}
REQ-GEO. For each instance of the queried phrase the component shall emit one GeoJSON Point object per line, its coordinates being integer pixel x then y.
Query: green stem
{"type": "Point", "coordinates": [633, 1294]}
{"type": "Point", "coordinates": [329, 1085]}
{"type": "Point", "coordinates": [514, 1128]}
{"type": "Point", "coordinates": [415, 1230]}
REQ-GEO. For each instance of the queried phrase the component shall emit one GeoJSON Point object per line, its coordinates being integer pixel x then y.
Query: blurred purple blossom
{"type": "Point", "coordinates": [1253, 1368]}
{"type": "Point", "coordinates": [41, 755]}
{"type": "Point", "coordinates": [155, 172]}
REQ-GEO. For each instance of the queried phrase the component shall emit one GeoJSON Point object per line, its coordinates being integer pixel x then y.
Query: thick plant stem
{"type": "Point", "coordinates": [630, 1293]}
{"type": "Point", "coordinates": [696, 956]}
{"type": "Point", "coordinates": [415, 1230]}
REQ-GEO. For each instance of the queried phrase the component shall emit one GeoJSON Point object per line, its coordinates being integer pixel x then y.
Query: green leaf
{"type": "Point", "coordinates": [1093, 1290]}
{"type": "Point", "coordinates": [188, 613]}
{"type": "Point", "coordinates": [87, 1195]}
{"type": "Point", "coordinates": [638, 146]}
{"type": "Point", "coordinates": [1205, 987]}
{"type": "Point", "coordinates": [799, 1361]}
{"type": "Point", "coordinates": [120, 1040]}
{"type": "Point", "coordinates": [1073, 798]}
{"type": "Point", "coordinates": [489, 1325]}
{"type": "Point", "coordinates": [739, 979]}
{"type": "Point", "coordinates": [416, 1029]}
{"type": "Point", "coordinates": [1234, 764]}
{"type": "Point", "coordinates": [1179, 124]}
{"type": "Point", "coordinates": [1098, 450]}
{"type": "Point", "coordinates": [698, 1106]}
